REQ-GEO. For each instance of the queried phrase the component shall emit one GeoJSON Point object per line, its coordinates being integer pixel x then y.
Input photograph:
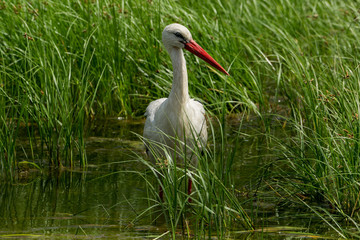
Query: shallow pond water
{"type": "Point", "coordinates": [102, 200]}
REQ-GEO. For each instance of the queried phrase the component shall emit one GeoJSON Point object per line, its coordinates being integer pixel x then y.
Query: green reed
{"type": "Point", "coordinates": [213, 208]}
{"type": "Point", "coordinates": [54, 54]}
{"type": "Point", "coordinates": [317, 80]}
{"type": "Point", "coordinates": [293, 63]}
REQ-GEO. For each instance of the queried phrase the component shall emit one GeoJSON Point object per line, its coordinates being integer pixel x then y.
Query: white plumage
{"type": "Point", "coordinates": [178, 118]}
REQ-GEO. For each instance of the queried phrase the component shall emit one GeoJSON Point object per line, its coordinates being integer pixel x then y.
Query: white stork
{"type": "Point", "coordinates": [178, 119]}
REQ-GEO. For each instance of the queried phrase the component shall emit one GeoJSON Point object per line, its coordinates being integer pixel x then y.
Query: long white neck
{"type": "Point", "coordinates": [179, 94]}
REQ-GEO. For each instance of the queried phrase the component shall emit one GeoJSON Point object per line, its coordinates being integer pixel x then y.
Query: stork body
{"type": "Point", "coordinates": [178, 119]}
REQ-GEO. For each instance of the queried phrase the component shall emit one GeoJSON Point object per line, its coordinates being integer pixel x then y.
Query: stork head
{"type": "Point", "coordinates": [178, 36]}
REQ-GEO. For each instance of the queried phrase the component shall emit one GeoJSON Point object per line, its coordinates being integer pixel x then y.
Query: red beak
{"type": "Point", "coordinates": [195, 48]}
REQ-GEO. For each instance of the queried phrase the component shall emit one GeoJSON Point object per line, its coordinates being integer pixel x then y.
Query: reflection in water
{"type": "Point", "coordinates": [69, 200]}
{"type": "Point", "coordinates": [100, 198]}
{"type": "Point", "coordinates": [105, 198]}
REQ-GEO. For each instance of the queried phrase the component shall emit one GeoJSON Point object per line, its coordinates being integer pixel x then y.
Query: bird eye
{"type": "Point", "coordinates": [179, 35]}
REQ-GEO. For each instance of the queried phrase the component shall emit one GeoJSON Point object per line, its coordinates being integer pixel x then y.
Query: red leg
{"type": "Point", "coordinates": [189, 190]}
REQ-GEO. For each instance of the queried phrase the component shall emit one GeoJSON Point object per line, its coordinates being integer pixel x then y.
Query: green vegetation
{"type": "Point", "coordinates": [213, 207]}
{"type": "Point", "coordinates": [293, 64]}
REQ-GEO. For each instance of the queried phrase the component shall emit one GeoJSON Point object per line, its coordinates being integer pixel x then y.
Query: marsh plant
{"type": "Point", "coordinates": [293, 64]}
{"type": "Point", "coordinates": [212, 208]}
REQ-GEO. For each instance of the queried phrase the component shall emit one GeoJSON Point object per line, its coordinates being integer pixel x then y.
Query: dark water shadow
{"type": "Point", "coordinates": [104, 199]}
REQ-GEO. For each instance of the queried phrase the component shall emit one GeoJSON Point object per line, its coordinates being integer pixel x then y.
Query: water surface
{"type": "Point", "coordinates": [103, 200]}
